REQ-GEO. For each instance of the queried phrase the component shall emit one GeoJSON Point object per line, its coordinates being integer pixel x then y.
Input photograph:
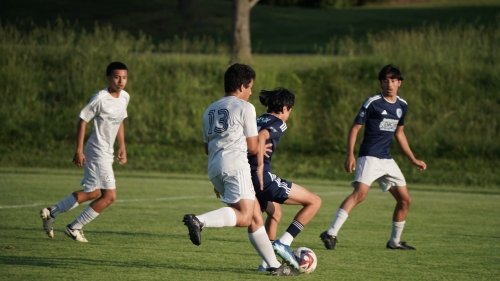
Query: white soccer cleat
{"type": "Point", "coordinates": [75, 234]}
{"type": "Point", "coordinates": [48, 222]}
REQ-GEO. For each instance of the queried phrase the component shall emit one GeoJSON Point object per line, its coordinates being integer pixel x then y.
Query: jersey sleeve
{"type": "Point", "coordinates": [91, 109]}
{"type": "Point", "coordinates": [250, 121]}
{"type": "Point", "coordinates": [276, 129]}
{"type": "Point", "coordinates": [402, 119]}
{"type": "Point", "coordinates": [363, 113]}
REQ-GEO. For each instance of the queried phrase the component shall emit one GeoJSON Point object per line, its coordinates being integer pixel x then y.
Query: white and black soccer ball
{"type": "Point", "coordinates": [306, 259]}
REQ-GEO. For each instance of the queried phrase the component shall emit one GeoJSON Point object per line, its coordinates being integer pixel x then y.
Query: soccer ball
{"type": "Point", "coordinates": [306, 259]}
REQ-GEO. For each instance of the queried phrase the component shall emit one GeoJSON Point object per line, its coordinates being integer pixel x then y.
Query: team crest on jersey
{"type": "Point", "coordinates": [263, 119]}
{"type": "Point", "coordinates": [361, 113]}
{"type": "Point", "coordinates": [399, 112]}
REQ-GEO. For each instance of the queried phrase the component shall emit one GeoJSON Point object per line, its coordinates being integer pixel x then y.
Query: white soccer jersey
{"type": "Point", "coordinates": [108, 113]}
{"type": "Point", "coordinates": [227, 123]}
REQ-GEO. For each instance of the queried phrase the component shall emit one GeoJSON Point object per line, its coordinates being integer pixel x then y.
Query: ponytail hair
{"type": "Point", "coordinates": [276, 99]}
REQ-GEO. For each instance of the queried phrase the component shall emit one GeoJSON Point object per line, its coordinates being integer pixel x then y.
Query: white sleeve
{"type": "Point", "coordinates": [250, 121]}
{"type": "Point", "coordinates": [91, 109]}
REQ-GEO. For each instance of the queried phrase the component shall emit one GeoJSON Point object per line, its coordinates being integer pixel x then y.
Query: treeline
{"type": "Point", "coordinates": [451, 85]}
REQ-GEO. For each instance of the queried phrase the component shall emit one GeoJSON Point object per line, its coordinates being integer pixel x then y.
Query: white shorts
{"type": "Point", "coordinates": [234, 185]}
{"type": "Point", "coordinates": [385, 171]}
{"type": "Point", "coordinates": [98, 175]}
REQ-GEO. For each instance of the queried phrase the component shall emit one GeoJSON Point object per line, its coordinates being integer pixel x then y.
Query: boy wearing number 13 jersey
{"type": "Point", "coordinates": [229, 132]}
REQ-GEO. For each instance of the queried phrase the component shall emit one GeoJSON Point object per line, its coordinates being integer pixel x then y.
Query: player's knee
{"type": "Point", "coordinates": [406, 201]}
{"type": "Point", "coordinates": [359, 197]}
{"type": "Point", "coordinates": [276, 214]}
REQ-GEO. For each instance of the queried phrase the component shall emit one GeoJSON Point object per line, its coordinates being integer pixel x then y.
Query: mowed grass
{"type": "Point", "coordinates": [141, 236]}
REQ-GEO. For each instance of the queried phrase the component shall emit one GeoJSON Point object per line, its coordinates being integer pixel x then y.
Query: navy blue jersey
{"type": "Point", "coordinates": [276, 128]}
{"type": "Point", "coordinates": [381, 119]}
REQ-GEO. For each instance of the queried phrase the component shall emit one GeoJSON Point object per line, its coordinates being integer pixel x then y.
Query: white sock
{"type": "Point", "coordinates": [338, 221]}
{"type": "Point", "coordinates": [261, 243]}
{"type": "Point", "coordinates": [85, 217]}
{"type": "Point", "coordinates": [65, 205]}
{"type": "Point", "coordinates": [286, 238]}
{"type": "Point", "coordinates": [397, 229]}
{"type": "Point", "coordinates": [263, 263]}
{"type": "Point", "coordinates": [221, 217]}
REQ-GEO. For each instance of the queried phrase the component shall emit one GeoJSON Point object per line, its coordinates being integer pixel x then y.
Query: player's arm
{"type": "Point", "coordinates": [79, 157]}
{"type": "Point", "coordinates": [263, 136]}
{"type": "Point", "coordinates": [403, 143]}
{"type": "Point", "coordinates": [350, 160]}
{"type": "Point", "coordinates": [122, 152]}
{"type": "Point", "coordinates": [253, 145]}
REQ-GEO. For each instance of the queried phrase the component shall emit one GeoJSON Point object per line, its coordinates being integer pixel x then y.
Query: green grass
{"type": "Point", "coordinates": [141, 236]}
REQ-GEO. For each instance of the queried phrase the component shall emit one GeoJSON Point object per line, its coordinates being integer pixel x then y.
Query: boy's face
{"type": "Point", "coordinates": [286, 113]}
{"type": "Point", "coordinates": [390, 85]}
{"type": "Point", "coordinates": [117, 80]}
{"type": "Point", "coordinates": [244, 93]}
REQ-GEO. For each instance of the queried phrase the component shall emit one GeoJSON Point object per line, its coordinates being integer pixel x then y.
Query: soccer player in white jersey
{"type": "Point", "coordinates": [108, 108]}
{"type": "Point", "coordinates": [229, 131]}
{"type": "Point", "coordinates": [383, 116]}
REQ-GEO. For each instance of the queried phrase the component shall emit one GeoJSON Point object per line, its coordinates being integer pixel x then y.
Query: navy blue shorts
{"type": "Point", "coordinates": [275, 189]}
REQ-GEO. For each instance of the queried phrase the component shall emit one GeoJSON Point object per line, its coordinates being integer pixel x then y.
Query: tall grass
{"type": "Point", "coordinates": [48, 74]}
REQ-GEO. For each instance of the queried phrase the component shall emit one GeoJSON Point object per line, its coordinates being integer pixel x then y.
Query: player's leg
{"type": "Point", "coordinates": [311, 203]}
{"type": "Point", "coordinates": [367, 170]}
{"type": "Point", "coordinates": [329, 237]}
{"type": "Point", "coordinates": [72, 201]}
{"type": "Point", "coordinates": [403, 199]}
{"type": "Point", "coordinates": [395, 183]}
{"type": "Point", "coordinates": [106, 182]}
{"type": "Point", "coordinates": [236, 190]}
{"type": "Point", "coordinates": [260, 241]}
{"type": "Point", "coordinates": [274, 213]}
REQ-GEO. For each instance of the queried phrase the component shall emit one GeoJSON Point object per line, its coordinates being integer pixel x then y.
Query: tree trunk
{"type": "Point", "coordinates": [242, 48]}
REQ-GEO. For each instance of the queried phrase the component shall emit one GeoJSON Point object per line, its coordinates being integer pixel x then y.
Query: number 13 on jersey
{"type": "Point", "coordinates": [221, 124]}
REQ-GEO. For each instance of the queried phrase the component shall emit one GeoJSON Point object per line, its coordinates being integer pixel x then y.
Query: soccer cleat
{"type": "Point", "coordinates": [262, 269]}
{"type": "Point", "coordinates": [48, 222]}
{"type": "Point", "coordinates": [283, 271]}
{"type": "Point", "coordinates": [284, 252]}
{"type": "Point", "coordinates": [75, 234]}
{"type": "Point", "coordinates": [401, 246]}
{"type": "Point", "coordinates": [328, 240]}
{"type": "Point", "coordinates": [194, 226]}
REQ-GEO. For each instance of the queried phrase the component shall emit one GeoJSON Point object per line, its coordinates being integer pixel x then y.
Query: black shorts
{"type": "Point", "coordinates": [275, 189]}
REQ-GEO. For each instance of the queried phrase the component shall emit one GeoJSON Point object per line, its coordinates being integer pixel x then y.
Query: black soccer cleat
{"type": "Point", "coordinates": [328, 240]}
{"type": "Point", "coordinates": [283, 271]}
{"type": "Point", "coordinates": [401, 246]}
{"type": "Point", "coordinates": [194, 226]}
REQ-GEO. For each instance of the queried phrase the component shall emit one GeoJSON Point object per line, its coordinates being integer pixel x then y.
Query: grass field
{"type": "Point", "coordinates": [141, 236]}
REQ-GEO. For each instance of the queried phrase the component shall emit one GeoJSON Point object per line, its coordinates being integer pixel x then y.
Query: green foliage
{"type": "Point", "coordinates": [48, 74]}
{"type": "Point", "coordinates": [141, 236]}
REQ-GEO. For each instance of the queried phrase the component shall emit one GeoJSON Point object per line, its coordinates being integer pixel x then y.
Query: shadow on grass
{"type": "Point", "coordinates": [81, 261]}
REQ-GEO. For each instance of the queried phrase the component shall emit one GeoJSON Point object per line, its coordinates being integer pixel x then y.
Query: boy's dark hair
{"type": "Point", "coordinates": [276, 99]}
{"type": "Point", "coordinates": [237, 75]}
{"type": "Point", "coordinates": [114, 66]}
{"type": "Point", "coordinates": [390, 71]}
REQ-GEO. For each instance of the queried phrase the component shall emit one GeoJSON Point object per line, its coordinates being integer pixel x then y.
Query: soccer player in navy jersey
{"type": "Point", "coordinates": [383, 116]}
{"type": "Point", "coordinates": [272, 190]}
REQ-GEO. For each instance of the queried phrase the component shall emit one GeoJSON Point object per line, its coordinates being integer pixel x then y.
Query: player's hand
{"type": "Point", "coordinates": [350, 164]}
{"type": "Point", "coordinates": [122, 156]}
{"type": "Point", "coordinates": [217, 194]}
{"type": "Point", "coordinates": [79, 159]}
{"type": "Point", "coordinates": [421, 166]}
{"type": "Point", "coordinates": [268, 147]}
